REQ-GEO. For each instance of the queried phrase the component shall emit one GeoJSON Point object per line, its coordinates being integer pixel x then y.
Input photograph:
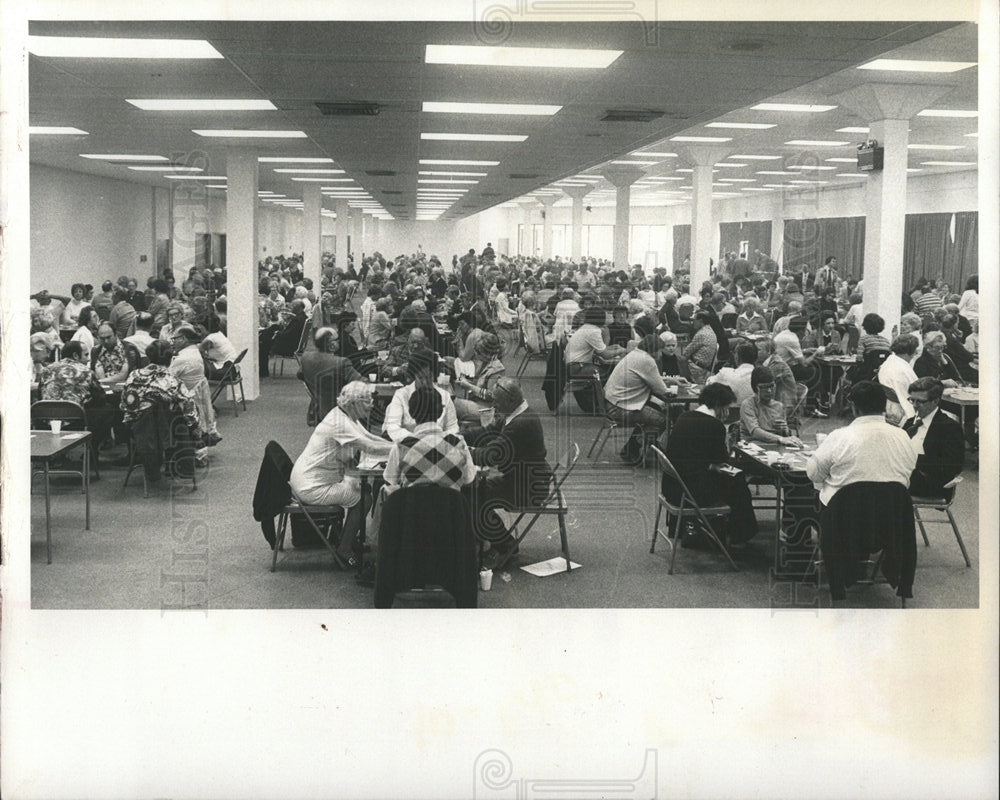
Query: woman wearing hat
{"type": "Point", "coordinates": [487, 370]}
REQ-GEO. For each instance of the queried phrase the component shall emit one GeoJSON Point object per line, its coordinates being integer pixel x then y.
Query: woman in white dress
{"type": "Point", "coordinates": [321, 473]}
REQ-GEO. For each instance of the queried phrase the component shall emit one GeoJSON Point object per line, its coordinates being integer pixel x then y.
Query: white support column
{"type": "Point", "coordinates": [703, 236]}
{"type": "Point", "coordinates": [357, 235]}
{"type": "Point", "coordinates": [189, 215]}
{"type": "Point", "coordinates": [241, 267]}
{"type": "Point", "coordinates": [548, 201]}
{"type": "Point", "coordinates": [577, 193]}
{"type": "Point", "coordinates": [340, 206]}
{"type": "Point", "coordinates": [889, 107]}
{"type": "Point", "coordinates": [527, 246]}
{"type": "Point", "coordinates": [778, 229]}
{"type": "Point", "coordinates": [622, 179]}
{"type": "Point", "coordinates": [312, 234]}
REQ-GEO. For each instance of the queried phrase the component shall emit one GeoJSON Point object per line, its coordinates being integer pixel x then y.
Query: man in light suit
{"type": "Point", "coordinates": [937, 439]}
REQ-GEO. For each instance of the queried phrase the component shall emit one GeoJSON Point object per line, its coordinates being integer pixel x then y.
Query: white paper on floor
{"type": "Point", "coordinates": [551, 567]}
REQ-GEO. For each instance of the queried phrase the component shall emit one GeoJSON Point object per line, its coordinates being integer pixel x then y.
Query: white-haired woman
{"type": "Point", "coordinates": [321, 473]}
{"type": "Point", "coordinates": [751, 320]}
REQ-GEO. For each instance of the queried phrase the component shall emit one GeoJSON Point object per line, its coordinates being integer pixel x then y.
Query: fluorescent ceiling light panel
{"type": "Point", "coordinates": [635, 163]}
{"type": "Point", "coordinates": [293, 160]}
{"type": "Point", "coordinates": [473, 137]}
{"type": "Point", "coordinates": [803, 108]}
{"type": "Point", "coordinates": [249, 134]}
{"type": "Point", "coordinates": [196, 177]}
{"type": "Point", "coordinates": [730, 164]}
{"type": "Point", "coordinates": [53, 130]}
{"type": "Point", "coordinates": [810, 182]}
{"type": "Point", "coordinates": [743, 157]}
{"type": "Point", "coordinates": [808, 167]}
{"type": "Point", "coordinates": [934, 146]}
{"type": "Point", "coordinates": [456, 174]}
{"type": "Point", "coordinates": [774, 172]}
{"type": "Point", "coordinates": [741, 180]}
{"type": "Point", "coordinates": [948, 163]}
{"type": "Point", "coordinates": [167, 169]}
{"type": "Point", "coordinates": [203, 105]}
{"type": "Point", "coordinates": [903, 65]}
{"type": "Point", "coordinates": [491, 108]}
{"type": "Point", "coordinates": [101, 47]}
{"type": "Point", "coordinates": [973, 135]}
{"type": "Point", "coordinates": [854, 129]}
{"type": "Point", "coordinates": [545, 57]}
{"type": "Point", "coordinates": [324, 180]}
{"type": "Point", "coordinates": [775, 186]}
{"type": "Point", "coordinates": [444, 180]}
{"type": "Point", "coordinates": [816, 143]}
{"type": "Point", "coordinates": [217, 186]}
{"type": "Point", "coordinates": [755, 189]}
{"type": "Point", "coordinates": [947, 112]}
{"type": "Point", "coordinates": [841, 160]}
{"type": "Point", "coordinates": [295, 171]}
{"type": "Point", "coordinates": [701, 139]}
{"type": "Point", "coordinates": [122, 157]}
{"type": "Point", "coordinates": [655, 155]}
{"type": "Point", "coordinates": [750, 126]}
{"type": "Point", "coordinates": [456, 162]}
{"type": "Point", "coordinates": [851, 175]}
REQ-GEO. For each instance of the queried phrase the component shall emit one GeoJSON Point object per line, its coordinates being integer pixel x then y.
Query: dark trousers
{"type": "Point", "coordinates": [716, 488]}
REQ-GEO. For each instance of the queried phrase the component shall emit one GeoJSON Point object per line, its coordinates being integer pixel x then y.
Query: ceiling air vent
{"type": "Point", "coordinates": [631, 115]}
{"type": "Point", "coordinates": [523, 176]}
{"type": "Point", "coordinates": [348, 109]}
{"type": "Point", "coordinates": [380, 173]}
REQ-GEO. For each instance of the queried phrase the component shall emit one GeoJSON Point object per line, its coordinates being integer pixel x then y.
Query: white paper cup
{"type": "Point", "coordinates": [820, 438]}
{"type": "Point", "coordinates": [486, 580]}
{"type": "Point", "coordinates": [486, 416]}
{"type": "Point", "coordinates": [771, 458]}
{"type": "Point", "coordinates": [373, 378]}
{"type": "Point", "coordinates": [56, 425]}
{"type": "Point", "coordinates": [672, 391]}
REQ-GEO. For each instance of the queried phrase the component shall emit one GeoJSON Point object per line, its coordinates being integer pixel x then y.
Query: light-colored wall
{"type": "Point", "coordinates": [88, 229]}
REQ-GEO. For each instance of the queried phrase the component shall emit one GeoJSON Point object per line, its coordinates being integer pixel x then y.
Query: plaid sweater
{"type": "Point", "coordinates": [430, 456]}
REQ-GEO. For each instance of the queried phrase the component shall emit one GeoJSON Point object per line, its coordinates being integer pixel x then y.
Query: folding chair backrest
{"type": "Point", "coordinates": [304, 338]}
{"type": "Point", "coordinates": [239, 358]}
{"type": "Point", "coordinates": [71, 414]}
{"type": "Point", "coordinates": [668, 469]}
{"type": "Point", "coordinates": [568, 462]}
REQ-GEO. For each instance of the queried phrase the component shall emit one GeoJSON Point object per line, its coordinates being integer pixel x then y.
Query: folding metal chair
{"type": "Point", "coordinates": [942, 503]}
{"type": "Point", "coordinates": [553, 505]}
{"type": "Point", "coordinates": [179, 448]}
{"type": "Point", "coordinates": [538, 355]}
{"type": "Point", "coordinates": [297, 507]}
{"type": "Point", "coordinates": [73, 417]}
{"type": "Point", "coordinates": [232, 378]}
{"type": "Point", "coordinates": [687, 509]}
{"type": "Point", "coordinates": [611, 429]}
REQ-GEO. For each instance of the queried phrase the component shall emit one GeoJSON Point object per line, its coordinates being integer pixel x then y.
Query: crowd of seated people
{"type": "Point", "coordinates": [95, 350]}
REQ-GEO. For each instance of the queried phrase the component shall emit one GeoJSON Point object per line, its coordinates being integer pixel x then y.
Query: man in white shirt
{"type": "Point", "coordinates": [869, 449]}
{"type": "Point", "coordinates": [189, 368]}
{"type": "Point", "coordinates": [633, 381]}
{"type": "Point", "coordinates": [896, 373]}
{"type": "Point", "coordinates": [566, 309]}
{"type": "Point", "coordinates": [398, 422]}
{"type": "Point", "coordinates": [141, 338]}
{"type": "Point", "coordinates": [216, 350]}
{"type": "Point", "coordinates": [738, 378]}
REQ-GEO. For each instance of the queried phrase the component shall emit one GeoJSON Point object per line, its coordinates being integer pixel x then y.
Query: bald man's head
{"type": "Point", "coordinates": [507, 395]}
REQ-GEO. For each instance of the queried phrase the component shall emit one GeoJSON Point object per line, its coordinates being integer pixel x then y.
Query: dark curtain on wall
{"type": "Point", "coordinates": [944, 247]}
{"type": "Point", "coordinates": [758, 233]}
{"type": "Point", "coordinates": [682, 245]}
{"type": "Point", "coordinates": [809, 242]}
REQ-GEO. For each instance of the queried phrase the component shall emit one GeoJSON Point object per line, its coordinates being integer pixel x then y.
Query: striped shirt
{"type": "Point", "coordinates": [928, 303]}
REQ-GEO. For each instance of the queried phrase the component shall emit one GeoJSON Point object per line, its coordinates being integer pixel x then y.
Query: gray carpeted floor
{"type": "Point", "coordinates": [203, 549]}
